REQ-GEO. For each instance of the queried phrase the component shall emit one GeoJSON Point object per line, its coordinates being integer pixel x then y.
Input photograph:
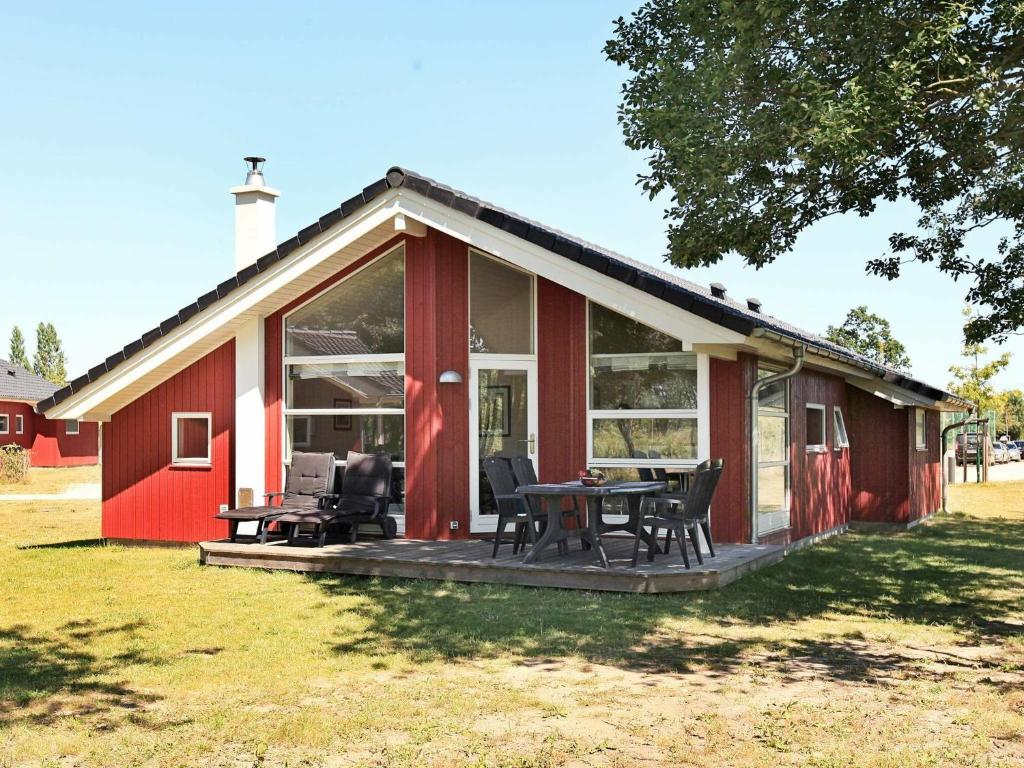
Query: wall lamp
{"type": "Point", "coordinates": [450, 377]}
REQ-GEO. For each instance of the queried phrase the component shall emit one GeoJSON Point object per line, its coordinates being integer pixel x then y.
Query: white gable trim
{"type": "Point", "coordinates": [227, 315]}
{"type": "Point", "coordinates": [223, 314]}
{"type": "Point", "coordinates": [597, 287]}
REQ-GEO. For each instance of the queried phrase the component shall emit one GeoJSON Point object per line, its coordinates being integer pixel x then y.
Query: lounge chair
{"type": "Point", "coordinates": [364, 498]}
{"type": "Point", "coordinates": [309, 480]}
{"type": "Point", "coordinates": [681, 514]}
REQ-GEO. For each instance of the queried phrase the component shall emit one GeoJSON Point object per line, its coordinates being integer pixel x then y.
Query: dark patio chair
{"type": "Point", "coordinates": [681, 514]}
{"type": "Point", "coordinates": [364, 498]}
{"type": "Point", "coordinates": [525, 474]}
{"type": "Point", "coordinates": [310, 478]}
{"type": "Point", "coordinates": [512, 508]}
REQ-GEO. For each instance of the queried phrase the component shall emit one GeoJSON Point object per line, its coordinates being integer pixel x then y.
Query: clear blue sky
{"type": "Point", "coordinates": [123, 125]}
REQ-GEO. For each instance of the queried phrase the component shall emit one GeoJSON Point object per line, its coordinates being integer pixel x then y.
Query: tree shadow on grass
{"type": "Point", "coordinates": [967, 574]}
{"type": "Point", "coordinates": [74, 544]}
{"type": "Point", "coordinates": [46, 676]}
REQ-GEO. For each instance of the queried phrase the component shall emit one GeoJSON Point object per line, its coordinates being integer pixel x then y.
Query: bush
{"type": "Point", "coordinates": [13, 464]}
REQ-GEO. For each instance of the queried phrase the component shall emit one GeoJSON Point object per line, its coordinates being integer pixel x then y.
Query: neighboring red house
{"type": "Point", "coordinates": [60, 443]}
{"type": "Point", "coordinates": [421, 322]}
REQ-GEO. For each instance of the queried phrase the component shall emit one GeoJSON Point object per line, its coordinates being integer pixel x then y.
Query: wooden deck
{"type": "Point", "coordinates": [471, 561]}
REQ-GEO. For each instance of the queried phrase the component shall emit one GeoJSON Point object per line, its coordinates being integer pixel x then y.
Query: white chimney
{"type": "Point", "coordinates": [255, 230]}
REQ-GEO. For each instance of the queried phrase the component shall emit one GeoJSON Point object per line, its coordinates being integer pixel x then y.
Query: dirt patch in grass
{"type": "Point", "coordinates": [868, 650]}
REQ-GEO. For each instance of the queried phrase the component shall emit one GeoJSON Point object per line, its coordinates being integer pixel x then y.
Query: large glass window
{"type": "Point", "coordinates": [344, 369]}
{"type": "Point", "coordinates": [362, 315]}
{"type": "Point", "coordinates": [773, 455]}
{"type": "Point", "coordinates": [500, 308]}
{"type": "Point", "coordinates": [643, 395]}
{"type": "Point", "coordinates": [921, 429]}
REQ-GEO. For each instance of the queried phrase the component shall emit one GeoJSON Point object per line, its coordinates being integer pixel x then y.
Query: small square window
{"type": "Point", "coordinates": [842, 440]}
{"type": "Point", "coordinates": [921, 428]}
{"type": "Point", "coordinates": [5, 423]}
{"type": "Point", "coordinates": [815, 427]}
{"type": "Point", "coordinates": [190, 438]}
{"type": "Point", "coordinates": [19, 424]}
{"type": "Point", "coordinates": [70, 426]}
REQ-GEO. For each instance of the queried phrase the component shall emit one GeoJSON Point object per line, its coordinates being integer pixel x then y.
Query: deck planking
{"type": "Point", "coordinates": [471, 561]}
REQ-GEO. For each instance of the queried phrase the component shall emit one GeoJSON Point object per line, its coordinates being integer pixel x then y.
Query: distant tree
{"type": "Point", "coordinates": [973, 381]}
{"type": "Point", "coordinates": [761, 118]}
{"type": "Point", "coordinates": [18, 354]}
{"type": "Point", "coordinates": [1012, 414]}
{"type": "Point", "coordinates": [870, 335]}
{"type": "Point", "coordinates": [49, 358]}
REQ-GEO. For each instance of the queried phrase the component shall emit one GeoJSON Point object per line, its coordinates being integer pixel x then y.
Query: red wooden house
{"type": "Point", "coordinates": [419, 321]}
{"type": "Point", "coordinates": [50, 443]}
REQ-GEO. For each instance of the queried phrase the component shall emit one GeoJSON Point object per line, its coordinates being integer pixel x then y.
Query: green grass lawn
{"type": "Point", "coordinates": [52, 479]}
{"type": "Point", "coordinates": [867, 650]}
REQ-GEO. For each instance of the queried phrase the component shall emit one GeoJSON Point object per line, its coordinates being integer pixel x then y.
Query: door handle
{"type": "Point", "coordinates": [531, 443]}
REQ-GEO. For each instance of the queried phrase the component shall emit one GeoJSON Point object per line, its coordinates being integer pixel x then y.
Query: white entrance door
{"type": "Point", "coordinates": [502, 421]}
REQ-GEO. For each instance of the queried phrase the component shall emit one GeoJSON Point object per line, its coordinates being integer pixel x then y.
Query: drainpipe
{"type": "Point", "coordinates": [942, 462]}
{"type": "Point", "coordinates": [752, 400]}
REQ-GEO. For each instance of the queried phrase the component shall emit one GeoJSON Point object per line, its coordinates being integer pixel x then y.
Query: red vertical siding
{"type": "Point", "coordinates": [820, 482]}
{"type": "Point", "coordinates": [11, 410]}
{"type": "Point", "coordinates": [879, 449]}
{"type": "Point", "coordinates": [924, 479]}
{"type": "Point", "coordinates": [53, 447]}
{"type": "Point", "coordinates": [144, 497]}
{"type": "Point", "coordinates": [436, 416]}
{"type": "Point", "coordinates": [730, 383]}
{"type": "Point", "coordinates": [562, 381]}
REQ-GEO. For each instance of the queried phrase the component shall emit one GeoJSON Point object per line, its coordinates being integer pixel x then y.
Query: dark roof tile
{"type": "Point", "coordinates": [79, 383]}
{"type": "Point", "coordinates": [378, 187]}
{"type": "Point", "coordinates": [287, 247]}
{"type": "Point", "coordinates": [187, 312]}
{"type": "Point", "coordinates": [206, 300]}
{"type": "Point", "coordinates": [150, 336]}
{"type": "Point", "coordinates": [330, 218]}
{"type": "Point", "coordinates": [352, 205]}
{"type": "Point", "coordinates": [248, 273]}
{"type": "Point", "coordinates": [307, 234]}
{"type": "Point", "coordinates": [96, 371]}
{"type": "Point", "coordinates": [169, 325]}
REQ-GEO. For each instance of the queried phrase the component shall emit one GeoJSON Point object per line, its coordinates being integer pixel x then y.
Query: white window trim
{"type": "Point", "coordinates": [534, 342]}
{"type": "Point", "coordinates": [179, 462]}
{"type": "Point", "coordinates": [5, 419]}
{"type": "Point", "coordinates": [784, 514]}
{"type": "Point", "coordinates": [921, 446]}
{"type": "Point", "coordinates": [823, 445]}
{"type": "Point", "coordinates": [286, 360]}
{"type": "Point", "coordinates": [19, 424]}
{"type": "Point", "coordinates": [77, 429]}
{"type": "Point", "coordinates": [839, 427]}
{"type": "Point", "coordinates": [701, 413]}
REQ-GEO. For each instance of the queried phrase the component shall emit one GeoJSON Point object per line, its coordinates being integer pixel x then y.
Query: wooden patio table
{"type": "Point", "coordinates": [553, 493]}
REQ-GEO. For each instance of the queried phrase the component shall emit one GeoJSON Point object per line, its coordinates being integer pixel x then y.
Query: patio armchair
{"type": "Point", "coordinates": [681, 514]}
{"type": "Point", "coordinates": [512, 508]}
{"type": "Point", "coordinates": [309, 480]}
{"type": "Point", "coordinates": [364, 497]}
{"type": "Point", "coordinates": [525, 474]}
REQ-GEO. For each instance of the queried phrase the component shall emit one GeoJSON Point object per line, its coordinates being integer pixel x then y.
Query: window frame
{"type": "Point", "coordinates": [77, 429]}
{"type": "Point", "coordinates": [700, 414]}
{"type": "Point", "coordinates": [535, 336]}
{"type": "Point", "coordinates": [785, 513]}
{"type": "Point", "coordinates": [286, 361]}
{"type": "Point", "coordinates": [841, 437]}
{"type": "Point", "coordinates": [177, 461]}
{"type": "Point", "coordinates": [19, 424]}
{"type": "Point", "coordinates": [922, 443]}
{"type": "Point", "coordinates": [5, 419]}
{"type": "Point", "coordinates": [821, 447]}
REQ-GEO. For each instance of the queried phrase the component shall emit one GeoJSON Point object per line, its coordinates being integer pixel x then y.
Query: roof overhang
{"type": "Point", "coordinates": [386, 216]}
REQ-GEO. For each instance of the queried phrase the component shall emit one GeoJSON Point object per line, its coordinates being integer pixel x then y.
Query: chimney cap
{"type": "Point", "coordinates": [254, 175]}
{"type": "Point", "coordinates": [754, 304]}
{"type": "Point", "coordinates": [718, 290]}
{"type": "Point", "coordinates": [254, 181]}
